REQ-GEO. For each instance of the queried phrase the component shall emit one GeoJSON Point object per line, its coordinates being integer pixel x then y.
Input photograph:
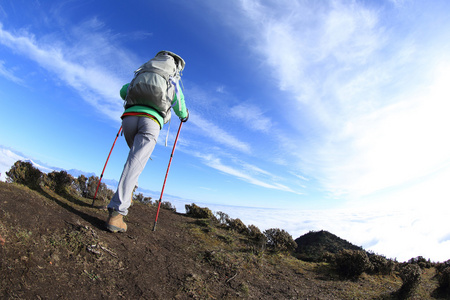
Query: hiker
{"type": "Point", "coordinates": [149, 98]}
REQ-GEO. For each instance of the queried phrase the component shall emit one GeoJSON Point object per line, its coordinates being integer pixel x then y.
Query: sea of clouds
{"type": "Point", "coordinates": [397, 233]}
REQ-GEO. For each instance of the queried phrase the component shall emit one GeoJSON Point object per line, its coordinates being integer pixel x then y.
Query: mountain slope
{"type": "Point", "coordinates": [54, 246]}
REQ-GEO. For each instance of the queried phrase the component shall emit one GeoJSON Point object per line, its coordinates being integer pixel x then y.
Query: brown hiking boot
{"type": "Point", "coordinates": [115, 222]}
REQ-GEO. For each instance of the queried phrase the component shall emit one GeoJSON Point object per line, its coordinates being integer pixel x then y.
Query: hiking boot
{"type": "Point", "coordinates": [115, 222]}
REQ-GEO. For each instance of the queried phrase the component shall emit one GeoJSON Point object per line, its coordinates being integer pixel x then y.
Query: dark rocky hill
{"type": "Point", "coordinates": [315, 244]}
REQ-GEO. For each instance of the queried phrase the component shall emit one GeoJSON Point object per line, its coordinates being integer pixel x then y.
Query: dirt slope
{"type": "Point", "coordinates": [54, 247]}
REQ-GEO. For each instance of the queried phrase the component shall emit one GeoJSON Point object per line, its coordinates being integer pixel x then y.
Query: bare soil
{"type": "Point", "coordinates": [56, 247]}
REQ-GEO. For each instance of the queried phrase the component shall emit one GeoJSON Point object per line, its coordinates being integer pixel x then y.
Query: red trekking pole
{"type": "Point", "coordinates": [101, 176]}
{"type": "Point", "coordinates": [167, 172]}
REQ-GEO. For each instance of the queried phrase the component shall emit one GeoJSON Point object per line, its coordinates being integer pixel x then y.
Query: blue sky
{"type": "Point", "coordinates": [303, 109]}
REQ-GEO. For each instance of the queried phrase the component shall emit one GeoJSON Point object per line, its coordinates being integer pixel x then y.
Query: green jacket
{"type": "Point", "coordinates": [179, 108]}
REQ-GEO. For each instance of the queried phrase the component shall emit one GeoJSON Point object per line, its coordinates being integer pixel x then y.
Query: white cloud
{"type": "Point", "coordinates": [243, 173]}
{"type": "Point", "coordinates": [9, 157]}
{"type": "Point", "coordinates": [252, 117]}
{"type": "Point", "coordinates": [9, 74]}
{"type": "Point", "coordinates": [7, 160]}
{"type": "Point", "coordinates": [76, 65]}
{"type": "Point", "coordinates": [390, 146]}
{"type": "Point", "coordinates": [221, 89]}
{"type": "Point", "coordinates": [217, 134]}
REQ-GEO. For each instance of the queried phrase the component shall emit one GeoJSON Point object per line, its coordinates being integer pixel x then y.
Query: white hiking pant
{"type": "Point", "coordinates": [141, 134]}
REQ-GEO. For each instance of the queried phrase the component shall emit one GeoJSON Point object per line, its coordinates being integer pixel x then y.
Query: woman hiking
{"type": "Point", "coordinates": [149, 98]}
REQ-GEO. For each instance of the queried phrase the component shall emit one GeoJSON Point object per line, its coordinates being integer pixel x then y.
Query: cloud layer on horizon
{"type": "Point", "coordinates": [394, 232]}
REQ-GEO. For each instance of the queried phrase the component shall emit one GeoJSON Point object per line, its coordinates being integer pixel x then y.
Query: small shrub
{"type": "Point", "coordinates": [381, 265]}
{"type": "Point", "coordinates": [24, 173]}
{"type": "Point", "coordinates": [257, 240]}
{"type": "Point", "coordinates": [47, 182]}
{"type": "Point", "coordinates": [198, 212]}
{"type": "Point", "coordinates": [103, 192]}
{"type": "Point", "coordinates": [82, 185]}
{"type": "Point", "coordinates": [421, 261]}
{"type": "Point", "coordinates": [443, 265]}
{"type": "Point", "coordinates": [411, 276]}
{"type": "Point", "coordinates": [444, 280]}
{"type": "Point", "coordinates": [222, 218]}
{"type": "Point", "coordinates": [167, 205]}
{"type": "Point", "coordinates": [138, 197]}
{"type": "Point", "coordinates": [351, 264]}
{"type": "Point", "coordinates": [141, 198]}
{"type": "Point", "coordinates": [443, 276]}
{"type": "Point", "coordinates": [237, 225]}
{"type": "Point", "coordinates": [91, 187]}
{"type": "Point", "coordinates": [62, 181]}
{"type": "Point", "coordinates": [147, 200]}
{"type": "Point", "coordinates": [279, 240]}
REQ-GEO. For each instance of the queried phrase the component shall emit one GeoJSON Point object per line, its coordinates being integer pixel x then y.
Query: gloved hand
{"type": "Point", "coordinates": [187, 117]}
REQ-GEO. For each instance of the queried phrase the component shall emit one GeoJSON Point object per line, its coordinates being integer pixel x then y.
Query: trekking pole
{"type": "Point", "coordinates": [101, 176]}
{"type": "Point", "coordinates": [167, 172]}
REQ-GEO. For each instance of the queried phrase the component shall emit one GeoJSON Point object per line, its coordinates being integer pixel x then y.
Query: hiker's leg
{"type": "Point", "coordinates": [143, 144]}
{"type": "Point", "coordinates": [130, 126]}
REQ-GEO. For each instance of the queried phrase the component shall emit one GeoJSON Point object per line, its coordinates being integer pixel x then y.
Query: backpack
{"type": "Point", "coordinates": [155, 83]}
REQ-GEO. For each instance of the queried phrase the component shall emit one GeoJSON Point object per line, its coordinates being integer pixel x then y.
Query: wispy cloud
{"type": "Point", "coordinates": [252, 117]}
{"type": "Point", "coordinates": [9, 74]}
{"type": "Point", "coordinates": [217, 134]}
{"type": "Point", "coordinates": [360, 86]}
{"type": "Point", "coordinates": [239, 172]}
{"type": "Point", "coordinates": [78, 65]}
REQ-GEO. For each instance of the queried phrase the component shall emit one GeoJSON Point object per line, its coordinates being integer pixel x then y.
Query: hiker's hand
{"type": "Point", "coordinates": [187, 117]}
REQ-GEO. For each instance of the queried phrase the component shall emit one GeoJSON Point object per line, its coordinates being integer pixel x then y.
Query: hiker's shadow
{"type": "Point", "coordinates": [74, 200]}
{"type": "Point", "coordinates": [94, 221]}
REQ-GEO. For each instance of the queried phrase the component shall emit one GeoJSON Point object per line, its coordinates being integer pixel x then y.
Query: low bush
{"type": "Point", "coordinates": [443, 276]}
{"type": "Point", "coordinates": [444, 280]}
{"type": "Point", "coordinates": [381, 265]}
{"type": "Point", "coordinates": [411, 275]}
{"type": "Point", "coordinates": [350, 264]}
{"type": "Point", "coordinates": [422, 262]}
{"type": "Point", "coordinates": [141, 198]}
{"type": "Point", "coordinates": [222, 218]}
{"type": "Point", "coordinates": [62, 181]}
{"type": "Point", "coordinates": [167, 205]}
{"type": "Point", "coordinates": [237, 225]}
{"type": "Point", "coordinates": [102, 191]}
{"type": "Point", "coordinates": [279, 240]}
{"type": "Point", "coordinates": [23, 172]}
{"type": "Point", "coordinates": [256, 239]}
{"type": "Point", "coordinates": [198, 212]}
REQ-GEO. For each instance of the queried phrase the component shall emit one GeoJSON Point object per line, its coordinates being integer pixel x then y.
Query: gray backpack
{"type": "Point", "coordinates": [155, 83]}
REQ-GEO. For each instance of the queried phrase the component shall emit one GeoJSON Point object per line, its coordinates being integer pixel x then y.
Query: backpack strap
{"type": "Point", "coordinates": [177, 92]}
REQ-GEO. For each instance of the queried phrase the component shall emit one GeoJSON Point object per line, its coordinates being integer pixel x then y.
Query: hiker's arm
{"type": "Point", "coordinates": [123, 91]}
{"type": "Point", "coordinates": [180, 105]}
